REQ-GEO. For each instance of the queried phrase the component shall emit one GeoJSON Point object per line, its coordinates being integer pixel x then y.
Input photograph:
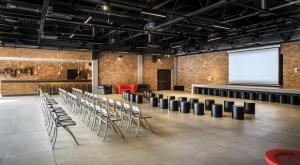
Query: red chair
{"type": "Point", "coordinates": [125, 87]}
{"type": "Point", "coordinates": [282, 157]}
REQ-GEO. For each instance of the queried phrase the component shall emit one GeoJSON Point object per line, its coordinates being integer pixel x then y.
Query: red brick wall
{"type": "Point", "coordinates": [48, 70]}
{"type": "Point", "coordinates": [114, 70]}
{"type": "Point", "coordinates": [291, 60]}
{"type": "Point", "coordinates": [150, 69]}
{"type": "Point", "coordinates": [196, 69]}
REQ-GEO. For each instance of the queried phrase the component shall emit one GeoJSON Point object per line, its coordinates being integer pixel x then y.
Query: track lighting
{"type": "Point", "coordinates": [153, 14]}
{"type": "Point", "coordinates": [105, 6]}
{"type": "Point", "coordinates": [88, 19]}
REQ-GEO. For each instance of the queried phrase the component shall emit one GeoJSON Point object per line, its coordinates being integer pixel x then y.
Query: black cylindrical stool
{"type": "Point", "coordinates": [271, 97]}
{"type": "Point", "coordinates": [185, 107]}
{"type": "Point", "coordinates": [236, 94]}
{"type": "Point", "coordinates": [153, 102]}
{"type": "Point", "coordinates": [216, 110]}
{"type": "Point", "coordinates": [252, 96]}
{"type": "Point", "coordinates": [159, 96]}
{"type": "Point", "coordinates": [127, 96]}
{"type": "Point", "coordinates": [180, 99]}
{"type": "Point", "coordinates": [244, 95]}
{"type": "Point", "coordinates": [203, 91]}
{"type": "Point", "coordinates": [223, 93]}
{"type": "Point", "coordinates": [228, 106]}
{"type": "Point", "coordinates": [198, 108]}
{"type": "Point", "coordinates": [192, 101]}
{"type": "Point", "coordinates": [294, 100]}
{"type": "Point", "coordinates": [238, 112]}
{"type": "Point", "coordinates": [261, 96]}
{"type": "Point", "coordinates": [209, 92]}
{"type": "Point", "coordinates": [216, 92]}
{"type": "Point", "coordinates": [132, 97]}
{"type": "Point", "coordinates": [163, 103]}
{"type": "Point", "coordinates": [283, 99]}
{"type": "Point", "coordinates": [139, 99]}
{"type": "Point", "coordinates": [169, 99]}
{"type": "Point", "coordinates": [208, 103]}
{"type": "Point", "coordinates": [229, 93]}
{"type": "Point", "coordinates": [249, 108]}
{"type": "Point", "coordinates": [173, 105]}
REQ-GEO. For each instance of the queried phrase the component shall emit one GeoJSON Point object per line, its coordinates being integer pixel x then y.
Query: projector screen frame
{"type": "Point", "coordinates": [280, 67]}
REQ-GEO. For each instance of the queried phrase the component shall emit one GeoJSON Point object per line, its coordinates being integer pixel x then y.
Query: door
{"type": "Point", "coordinates": [163, 79]}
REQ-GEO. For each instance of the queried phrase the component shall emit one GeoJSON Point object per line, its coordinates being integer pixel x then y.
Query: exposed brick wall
{"type": "Point", "coordinates": [291, 59]}
{"type": "Point", "coordinates": [196, 69]}
{"type": "Point", "coordinates": [48, 70]}
{"type": "Point", "coordinates": [114, 70]}
{"type": "Point", "coordinates": [150, 69]}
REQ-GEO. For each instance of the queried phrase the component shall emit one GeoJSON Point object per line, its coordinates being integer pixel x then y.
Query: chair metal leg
{"type": "Point", "coordinates": [55, 137]}
{"type": "Point", "coordinates": [105, 132]}
{"type": "Point", "coordinates": [137, 129]}
{"type": "Point", "coordinates": [70, 132]}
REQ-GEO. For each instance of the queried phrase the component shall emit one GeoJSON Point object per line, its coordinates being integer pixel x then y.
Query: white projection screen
{"type": "Point", "coordinates": [256, 66]}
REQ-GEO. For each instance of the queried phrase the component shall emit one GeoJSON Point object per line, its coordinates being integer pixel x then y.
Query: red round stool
{"type": "Point", "coordinates": [282, 157]}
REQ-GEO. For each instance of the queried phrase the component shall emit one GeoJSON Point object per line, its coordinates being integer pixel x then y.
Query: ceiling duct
{"type": "Point", "coordinates": [52, 14]}
{"type": "Point", "coordinates": [263, 4]}
{"type": "Point", "coordinates": [22, 7]}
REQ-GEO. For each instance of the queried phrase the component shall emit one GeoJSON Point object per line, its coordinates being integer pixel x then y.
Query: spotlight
{"type": "Point", "coordinates": [105, 6]}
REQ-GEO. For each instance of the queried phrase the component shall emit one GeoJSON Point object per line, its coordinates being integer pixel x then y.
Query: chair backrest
{"type": "Point", "coordinates": [126, 106]}
{"type": "Point", "coordinates": [136, 109]}
{"type": "Point", "coordinates": [111, 101]}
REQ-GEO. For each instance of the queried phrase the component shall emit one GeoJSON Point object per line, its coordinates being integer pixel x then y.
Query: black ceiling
{"type": "Point", "coordinates": [179, 27]}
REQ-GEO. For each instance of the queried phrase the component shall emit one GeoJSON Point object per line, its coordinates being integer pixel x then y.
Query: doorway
{"type": "Point", "coordinates": [163, 79]}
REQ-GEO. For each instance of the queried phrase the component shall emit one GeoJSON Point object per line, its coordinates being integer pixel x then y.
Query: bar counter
{"type": "Point", "coordinates": [30, 87]}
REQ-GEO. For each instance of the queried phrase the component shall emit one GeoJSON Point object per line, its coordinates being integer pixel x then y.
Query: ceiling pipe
{"type": "Point", "coordinates": [181, 18]}
{"type": "Point", "coordinates": [260, 10]}
{"type": "Point", "coordinates": [22, 7]}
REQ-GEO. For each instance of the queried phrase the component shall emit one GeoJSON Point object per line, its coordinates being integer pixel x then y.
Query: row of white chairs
{"type": "Point", "coordinates": [55, 117]}
{"type": "Point", "coordinates": [96, 112]}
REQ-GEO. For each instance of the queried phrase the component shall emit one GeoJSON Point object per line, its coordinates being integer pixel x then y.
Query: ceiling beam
{"type": "Point", "coordinates": [42, 23]}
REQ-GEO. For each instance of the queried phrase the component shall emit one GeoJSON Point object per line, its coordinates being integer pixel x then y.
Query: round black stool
{"type": "Point", "coordinates": [252, 96]}
{"type": "Point", "coordinates": [223, 93]}
{"type": "Point", "coordinates": [169, 99]}
{"type": "Point", "coordinates": [159, 96]}
{"type": "Point", "coordinates": [209, 92]}
{"type": "Point", "coordinates": [235, 94]}
{"type": "Point", "coordinates": [139, 99]}
{"type": "Point", "coordinates": [173, 105]}
{"type": "Point", "coordinates": [180, 99]}
{"type": "Point", "coordinates": [208, 103]}
{"type": "Point", "coordinates": [185, 107]}
{"type": "Point", "coordinates": [132, 97]}
{"type": "Point", "coordinates": [216, 110]}
{"type": "Point", "coordinates": [198, 108]}
{"type": "Point", "coordinates": [244, 95]}
{"type": "Point", "coordinates": [271, 97]}
{"type": "Point", "coordinates": [216, 92]}
{"type": "Point", "coordinates": [237, 112]}
{"type": "Point", "coordinates": [249, 108]}
{"type": "Point", "coordinates": [153, 102]}
{"type": "Point", "coordinates": [229, 93]}
{"type": "Point", "coordinates": [163, 103]}
{"type": "Point", "coordinates": [261, 96]}
{"type": "Point", "coordinates": [228, 106]}
{"type": "Point", "coordinates": [283, 99]}
{"type": "Point", "coordinates": [127, 96]}
{"type": "Point", "coordinates": [294, 100]}
{"type": "Point", "coordinates": [192, 101]}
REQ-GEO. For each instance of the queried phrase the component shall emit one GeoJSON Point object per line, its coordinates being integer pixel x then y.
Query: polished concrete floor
{"type": "Point", "coordinates": [178, 139]}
